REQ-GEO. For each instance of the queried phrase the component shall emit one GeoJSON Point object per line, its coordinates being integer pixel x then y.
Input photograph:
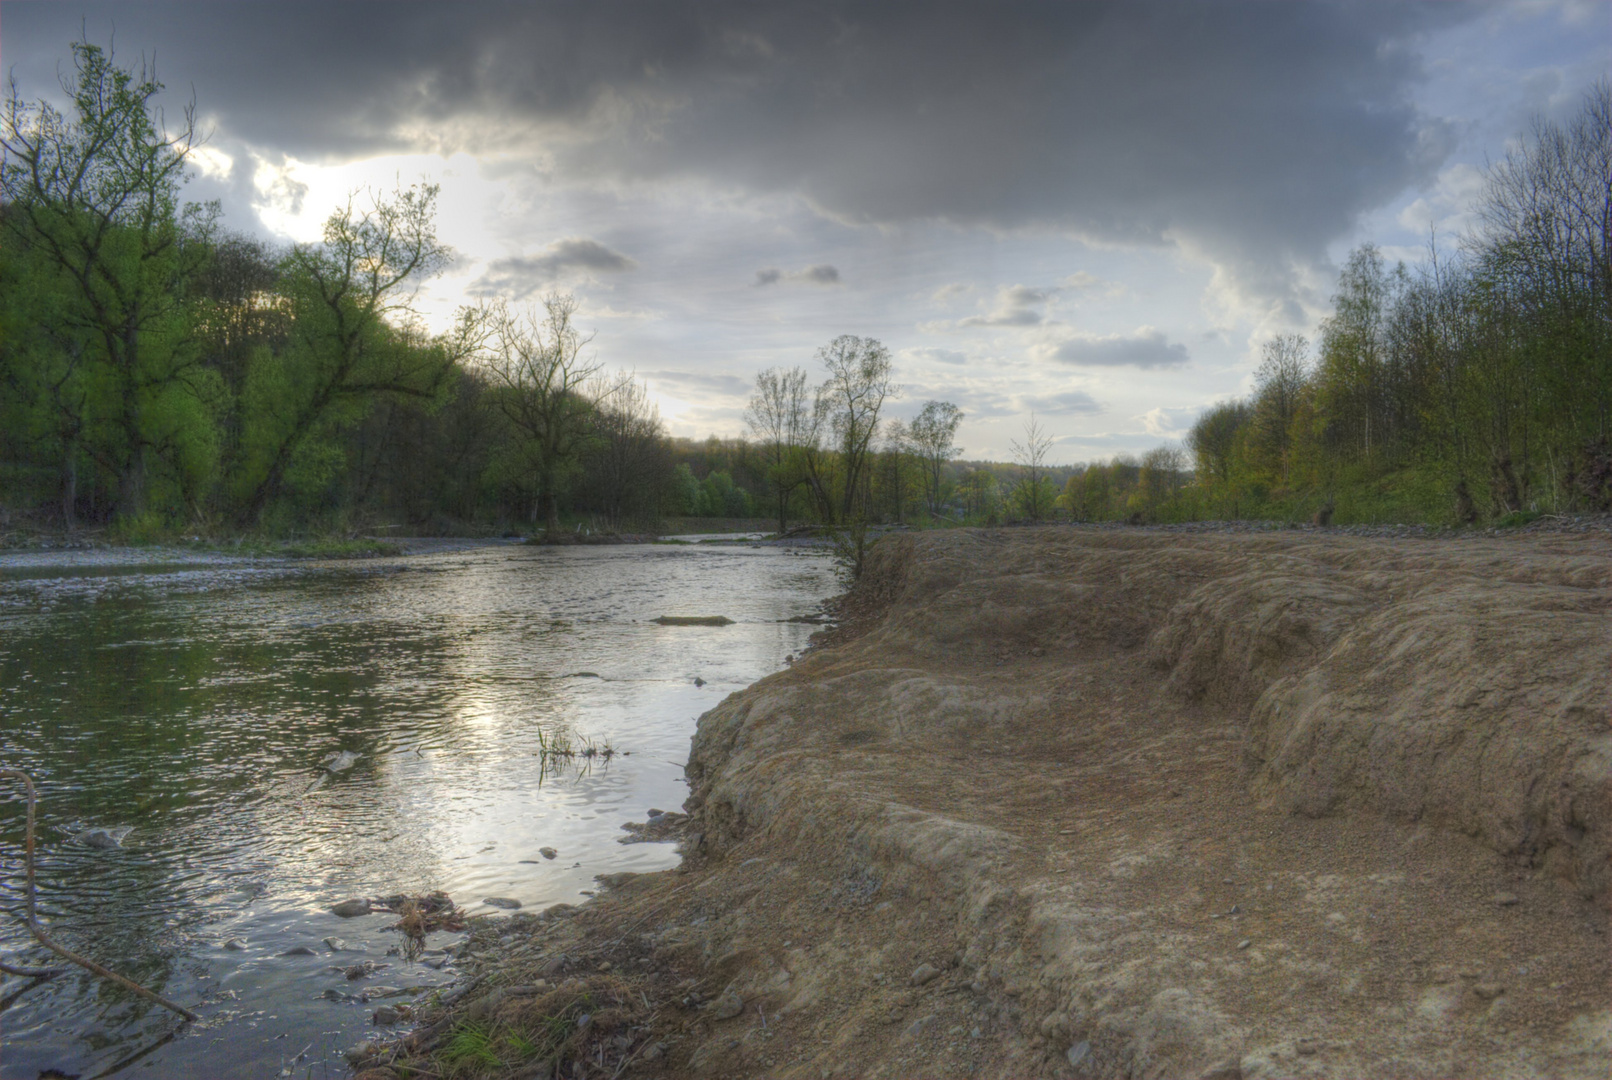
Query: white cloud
{"type": "Point", "coordinates": [1169, 423]}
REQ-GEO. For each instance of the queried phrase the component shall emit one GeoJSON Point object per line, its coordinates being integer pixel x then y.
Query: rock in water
{"type": "Point", "coordinates": [104, 839]}
{"type": "Point", "coordinates": [299, 950]}
{"type": "Point", "coordinates": [342, 762]}
{"type": "Point", "coordinates": [347, 909]}
{"type": "Point", "coordinates": [335, 944]}
{"type": "Point", "coordinates": [506, 902]}
{"type": "Point", "coordinates": [694, 620]}
{"type": "Point", "coordinates": [235, 944]}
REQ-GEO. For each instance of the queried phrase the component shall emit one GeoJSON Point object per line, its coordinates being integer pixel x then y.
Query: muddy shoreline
{"type": "Point", "coordinates": [1117, 802]}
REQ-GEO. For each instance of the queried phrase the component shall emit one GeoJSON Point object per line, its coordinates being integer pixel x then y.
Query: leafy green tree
{"type": "Point", "coordinates": [350, 303]}
{"type": "Point", "coordinates": [97, 195]}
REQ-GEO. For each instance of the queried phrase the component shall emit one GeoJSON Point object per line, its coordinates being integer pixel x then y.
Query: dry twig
{"type": "Point", "coordinates": [60, 950]}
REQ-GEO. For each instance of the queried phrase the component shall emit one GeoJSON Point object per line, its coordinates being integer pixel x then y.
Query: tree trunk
{"type": "Point", "coordinates": [132, 484]}
{"type": "Point", "coordinates": [547, 506]}
{"type": "Point", "coordinates": [69, 487]}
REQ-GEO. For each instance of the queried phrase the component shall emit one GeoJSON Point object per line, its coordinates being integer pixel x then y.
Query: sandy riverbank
{"type": "Point", "coordinates": [1111, 803]}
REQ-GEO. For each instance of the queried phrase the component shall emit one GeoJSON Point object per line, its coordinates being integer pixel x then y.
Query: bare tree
{"type": "Point", "coordinates": [781, 417]}
{"type": "Point", "coordinates": [1031, 456]}
{"type": "Point", "coordinates": [628, 460]}
{"type": "Point", "coordinates": [859, 381]}
{"type": "Point", "coordinates": [933, 432]}
{"type": "Point", "coordinates": [537, 362]}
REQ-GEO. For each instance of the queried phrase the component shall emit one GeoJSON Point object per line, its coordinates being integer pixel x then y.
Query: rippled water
{"type": "Point", "coordinates": [196, 703]}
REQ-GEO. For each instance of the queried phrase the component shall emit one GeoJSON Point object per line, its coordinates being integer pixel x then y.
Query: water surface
{"type": "Point", "coordinates": [196, 703]}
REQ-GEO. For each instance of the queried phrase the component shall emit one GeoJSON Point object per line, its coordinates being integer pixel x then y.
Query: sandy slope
{"type": "Point", "coordinates": [1122, 803]}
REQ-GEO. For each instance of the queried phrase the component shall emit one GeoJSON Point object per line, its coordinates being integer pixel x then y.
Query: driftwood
{"type": "Point", "coordinates": [60, 950]}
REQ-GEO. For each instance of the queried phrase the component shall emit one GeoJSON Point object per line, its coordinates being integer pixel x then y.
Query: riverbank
{"type": "Point", "coordinates": [1118, 803]}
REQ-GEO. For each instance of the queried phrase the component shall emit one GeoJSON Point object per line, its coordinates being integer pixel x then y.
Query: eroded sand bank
{"type": "Point", "coordinates": [1072, 802]}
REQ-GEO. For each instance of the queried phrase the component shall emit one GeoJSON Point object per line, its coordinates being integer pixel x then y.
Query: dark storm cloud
{"type": "Point", "coordinates": [520, 276]}
{"type": "Point", "coordinates": [1146, 348]}
{"type": "Point", "coordinates": [1254, 132]}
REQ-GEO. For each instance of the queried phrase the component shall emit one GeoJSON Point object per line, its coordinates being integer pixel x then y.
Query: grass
{"type": "Point", "coordinates": [558, 749]}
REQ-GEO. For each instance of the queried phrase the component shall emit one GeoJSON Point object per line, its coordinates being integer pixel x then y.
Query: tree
{"type": "Point", "coordinates": [537, 361]}
{"type": "Point", "coordinates": [1214, 440]}
{"type": "Point", "coordinates": [1031, 455]}
{"type": "Point", "coordinates": [1279, 383]}
{"type": "Point", "coordinates": [351, 301]}
{"type": "Point", "coordinates": [98, 196]}
{"type": "Point", "coordinates": [1161, 477]}
{"type": "Point", "coordinates": [780, 416]}
{"type": "Point", "coordinates": [628, 467]}
{"type": "Point", "coordinates": [933, 432]}
{"type": "Point", "coordinates": [859, 381]}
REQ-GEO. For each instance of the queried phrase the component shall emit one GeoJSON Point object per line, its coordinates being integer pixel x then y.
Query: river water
{"type": "Point", "coordinates": [194, 703]}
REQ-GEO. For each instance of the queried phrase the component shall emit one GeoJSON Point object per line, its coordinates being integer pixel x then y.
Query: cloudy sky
{"type": "Point", "coordinates": [1097, 212]}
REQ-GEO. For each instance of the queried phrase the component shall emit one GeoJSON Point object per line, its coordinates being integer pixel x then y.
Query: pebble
{"type": "Point", "coordinates": [1244, 943]}
{"type": "Point", "coordinates": [1505, 899]}
{"type": "Point", "coordinates": [924, 973]}
{"type": "Point", "coordinates": [507, 902]}
{"type": "Point", "coordinates": [1076, 1053]}
{"type": "Point", "coordinates": [348, 909]}
{"type": "Point", "coordinates": [1488, 991]}
{"type": "Point", "coordinates": [726, 1007]}
{"type": "Point", "coordinates": [547, 852]}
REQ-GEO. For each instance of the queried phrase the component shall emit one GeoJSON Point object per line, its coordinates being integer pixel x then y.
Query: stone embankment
{"type": "Point", "coordinates": [1129, 803]}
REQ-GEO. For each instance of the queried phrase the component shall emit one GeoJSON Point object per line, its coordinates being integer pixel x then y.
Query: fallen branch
{"type": "Point", "coordinates": [60, 950]}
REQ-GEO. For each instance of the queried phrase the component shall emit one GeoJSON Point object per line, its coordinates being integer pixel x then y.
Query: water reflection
{"type": "Point", "coordinates": [199, 704]}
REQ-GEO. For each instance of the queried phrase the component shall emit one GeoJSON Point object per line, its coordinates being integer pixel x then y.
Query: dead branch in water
{"type": "Point", "coordinates": [60, 950]}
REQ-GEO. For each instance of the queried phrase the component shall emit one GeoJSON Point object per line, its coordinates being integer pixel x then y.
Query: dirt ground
{"type": "Point", "coordinates": [1101, 803]}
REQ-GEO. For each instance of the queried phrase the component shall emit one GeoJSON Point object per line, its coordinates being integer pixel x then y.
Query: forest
{"type": "Point", "coordinates": [162, 375]}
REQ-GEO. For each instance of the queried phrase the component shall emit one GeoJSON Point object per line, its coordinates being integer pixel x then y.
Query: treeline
{"type": "Point", "coordinates": [159, 371]}
{"type": "Point", "coordinates": [1473, 386]}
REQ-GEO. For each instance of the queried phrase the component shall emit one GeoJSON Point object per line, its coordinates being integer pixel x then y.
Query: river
{"type": "Point", "coordinates": [195, 701]}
